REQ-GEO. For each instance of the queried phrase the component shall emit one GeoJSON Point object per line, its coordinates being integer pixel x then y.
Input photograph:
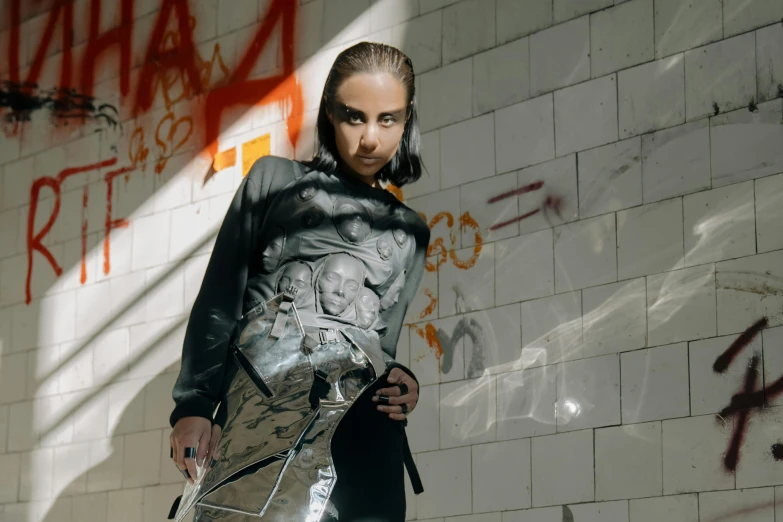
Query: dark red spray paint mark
{"type": "Point", "coordinates": [725, 359]}
{"type": "Point", "coordinates": [34, 239]}
{"type": "Point", "coordinates": [64, 7]}
{"type": "Point", "coordinates": [15, 16]}
{"type": "Point", "coordinates": [514, 220]}
{"type": "Point", "coordinates": [732, 455]}
{"type": "Point", "coordinates": [97, 44]}
{"type": "Point", "coordinates": [111, 223]}
{"type": "Point", "coordinates": [159, 59]}
{"type": "Point", "coordinates": [743, 403]}
{"type": "Point", "coordinates": [63, 104]}
{"type": "Point", "coordinates": [555, 204]}
{"type": "Point", "coordinates": [551, 202]}
{"type": "Point", "coordinates": [516, 192]}
{"type": "Point", "coordinates": [162, 58]}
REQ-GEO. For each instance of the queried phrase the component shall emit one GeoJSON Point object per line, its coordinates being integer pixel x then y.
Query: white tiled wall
{"type": "Point", "coordinates": [637, 149]}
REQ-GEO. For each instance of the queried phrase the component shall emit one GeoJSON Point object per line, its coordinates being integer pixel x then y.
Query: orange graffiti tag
{"type": "Point", "coordinates": [438, 246]}
{"type": "Point", "coordinates": [138, 152]}
{"type": "Point", "coordinates": [428, 332]}
{"type": "Point", "coordinates": [225, 159]}
{"type": "Point", "coordinates": [174, 140]}
{"type": "Point", "coordinates": [254, 149]}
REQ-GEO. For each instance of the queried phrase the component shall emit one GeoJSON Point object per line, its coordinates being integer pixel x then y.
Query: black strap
{"type": "Point", "coordinates": [174, 508]}
{"type": "Point", "coordinates": [410, 465]}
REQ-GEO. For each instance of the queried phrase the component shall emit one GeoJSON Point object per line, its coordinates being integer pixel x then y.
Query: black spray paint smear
{"type": "Point", "coordinates": [777, 451]}
{"type": "Point", "coordinates": [23, 99]}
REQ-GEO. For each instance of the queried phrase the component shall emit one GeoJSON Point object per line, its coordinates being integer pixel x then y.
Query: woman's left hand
{"type": "Point", "coordinates": [400, 398]}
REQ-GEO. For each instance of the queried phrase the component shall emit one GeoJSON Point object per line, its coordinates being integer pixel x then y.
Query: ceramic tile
{"type": "Point", "coordinates": [769, 212]}
{"type": "Point", "coordinates": [615, 317]}
{"type": "Point", "coordinates": [467, 412]}
{"type": "Point", "coordinates": [621, 37]}
{"type": "Point", "coordinates": [676, 161]}
{"type": "Point", "coordinates": [744, 144]}
{"type": "Point", "coordinates": [563, 468]}
{"type": "Point", "coordinates": [746, 291]}
{"type": "Point", "coordinates": [586, 115]}
{"type": "Point", "coordinates": [468, 28]}
{"type": "Point", "coordinates": [585, 253]}
{"type": "Point", "coordinates": [680, 26]}
{"type": "Point", "coordinates": [681, 305]}
{"type": "Point", "coordinates": [649, 239]}
{"type": "Point", "coordinates": [551, 330]}
{"type": "Point", "coordinates": [501, 476]}
{"type": "Point", "coordinates": [675, 508]}
{"type": "Point", "coordinates": [692, 451]}
{"type": "Point", "coordinates": [620, 453]}
{"type": "Point", "coordinates": [524, 134]}
{"type": "Point", "coordinates": [722, 73]}
{"type": "Point", "coordinates": [501, 76]}
{"type": "Point", "coordinates": [655, 384]}
{"type": "Point", "coordinates": [610, 178]}
{"type": "Point", "coordinates": [526, 403]}
{"type": "Point", "coordinates": [588, 393]}
{"type": "Point", "coordinates": [560, 56]}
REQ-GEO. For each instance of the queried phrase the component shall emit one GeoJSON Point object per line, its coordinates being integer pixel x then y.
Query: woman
{"type": "Point", "coordinates": [352, 254]}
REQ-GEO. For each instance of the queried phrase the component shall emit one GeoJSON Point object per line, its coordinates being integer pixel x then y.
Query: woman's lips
{"type": "Point", "coordinates": [336, 302]}
{"type": "Point", "coordinates": [368, 160]}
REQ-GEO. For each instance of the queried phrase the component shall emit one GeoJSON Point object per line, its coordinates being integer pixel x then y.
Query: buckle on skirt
{"type": "Point", "coordinates": [328, 336]}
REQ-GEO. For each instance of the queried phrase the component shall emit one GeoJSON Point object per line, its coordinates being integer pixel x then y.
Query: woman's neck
{"type": "Point", "coordinates": [367, 180]}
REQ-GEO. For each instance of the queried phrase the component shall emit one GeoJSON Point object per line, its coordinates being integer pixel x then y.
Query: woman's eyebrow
{"type": "Point", "coordinates": [397, 113]}
{"type": "Point", "coordinates": [346, 108]}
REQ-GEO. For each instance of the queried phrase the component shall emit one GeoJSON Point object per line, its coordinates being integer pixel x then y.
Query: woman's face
{"type": "Point", "coordinates": [339, 283]}
{"type": "Point", "coordinates": [297, 275]}
{"type": "Point", "coordinates": [369, 118]}
{"type": "Point", "coordinates": [367, 308]}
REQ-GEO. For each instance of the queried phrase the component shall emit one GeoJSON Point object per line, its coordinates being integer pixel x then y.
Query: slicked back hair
{"type": "Point", "coordinates": [367, 57]}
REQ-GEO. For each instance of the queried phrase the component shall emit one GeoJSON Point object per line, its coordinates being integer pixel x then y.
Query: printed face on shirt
{"type": "Point", "coordinates": [367, 307]}
{"type": "Point", "coordinates": [369, 116]}
{"type": "Point", "coordinates": [297, 275]}
{"type": "Point", "coordinates": [393, 293]}
{"type": "Point", "coordinates": [339, 283]}
{"type": "Point", "coordinates": [270, 257]}
{"type": "Point", "coordinates": [352, 220]}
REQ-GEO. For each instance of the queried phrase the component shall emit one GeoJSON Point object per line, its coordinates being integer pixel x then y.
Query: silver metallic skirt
{"type": "Point", "coordinates": [293, 386]}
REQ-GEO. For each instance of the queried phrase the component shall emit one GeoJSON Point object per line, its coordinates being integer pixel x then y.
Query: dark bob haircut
{"type": "Point", "coordinates": [366, 57]}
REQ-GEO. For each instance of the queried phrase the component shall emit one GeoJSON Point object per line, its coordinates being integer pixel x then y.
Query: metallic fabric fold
{"type": "Point", "coordinates": [275, 462]}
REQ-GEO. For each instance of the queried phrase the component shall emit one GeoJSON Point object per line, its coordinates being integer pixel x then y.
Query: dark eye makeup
{"type": "Point", "coordinates": [352, 115]}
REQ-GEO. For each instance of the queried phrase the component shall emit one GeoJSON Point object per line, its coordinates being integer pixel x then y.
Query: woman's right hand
{"type": "Point", "coordinates": [193, 432]}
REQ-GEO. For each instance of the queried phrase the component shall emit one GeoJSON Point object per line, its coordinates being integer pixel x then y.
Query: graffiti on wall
{"type": "Point", "coordinates": [749, 399]}
{"type": "Point", "coordinates": [22, 100]}
{"type": "Point", "coordinates": [171, 65]}
{"type": "Point", "coordinates": [195, 91]}
{"type": "Point", "coordinates": [442, 250]}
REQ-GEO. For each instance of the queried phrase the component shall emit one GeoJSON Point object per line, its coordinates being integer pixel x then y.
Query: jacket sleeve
{"type": "Point", "coordinates": [395, 316]}
{"type": "Point", "coordinates": [218, 305]}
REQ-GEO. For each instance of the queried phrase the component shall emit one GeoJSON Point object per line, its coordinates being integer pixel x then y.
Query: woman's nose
{"type": "Point", "coordinates": [369, 137]}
